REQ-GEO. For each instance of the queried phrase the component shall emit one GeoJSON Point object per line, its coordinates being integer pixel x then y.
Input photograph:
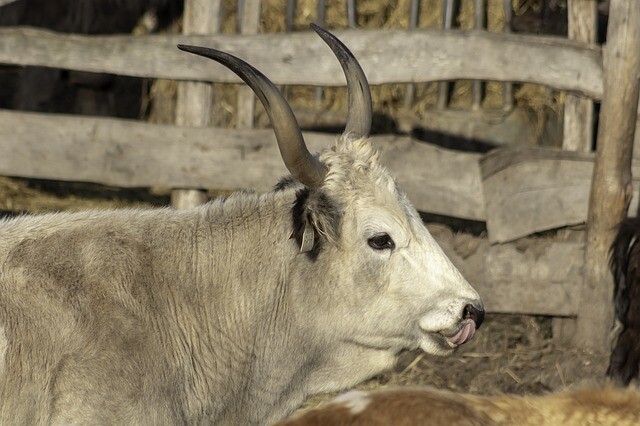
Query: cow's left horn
{"type": "Point", "coordinates": [302, 165]}
{"type": "Point", "coordinates": [360, 109]}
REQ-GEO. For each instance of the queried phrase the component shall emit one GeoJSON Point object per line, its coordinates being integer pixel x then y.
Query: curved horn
{"type": "Point", "coordinates": [302, 165]}
{"type": "Point", "coordinates": [360, 110]}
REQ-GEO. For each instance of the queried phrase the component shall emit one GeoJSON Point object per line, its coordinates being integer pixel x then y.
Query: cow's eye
{"type": "Point", "coordinates": [381, 242]}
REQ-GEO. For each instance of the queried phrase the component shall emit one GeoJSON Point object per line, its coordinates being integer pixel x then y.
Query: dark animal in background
{"type": "Point", "coordinates": [41, 89]}
{"type": "Point", "coordinates": [625, 266]}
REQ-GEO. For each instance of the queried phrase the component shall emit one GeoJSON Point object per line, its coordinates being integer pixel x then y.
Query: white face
{"type": "Point", "coordinates": [402, 292]}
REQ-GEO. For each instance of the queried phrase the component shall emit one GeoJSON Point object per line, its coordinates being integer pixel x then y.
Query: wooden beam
{"type": "Point", "coordinates": [130, 153]}
{"type": "Point", "coordinates": [494, 127]}
{"type": "Point", "coordinates": [250, 24]}
{"type": "Point", "coordinates": [479, 24]}
{"type": "Point", "coordinates": [193, 104]}
{"type": "Point", "coordinates": [507, 87]}
{"type": "Point", "coordinates": [611, 187]}
{"type": "Point", "coordinates": [447, 22]}
{"type": "Point", "coordinates": [578, 120]}
{"type": "Point", "coordinates": [414, 18]}
{"type": "Point", "coordinates": [302, 58]}
{"type": "Point", "coordinates": [578, 111]}
{"type": "Point", "coordinates": [528, 190]}
{"type": "Point", "coordinates": [636, 145]}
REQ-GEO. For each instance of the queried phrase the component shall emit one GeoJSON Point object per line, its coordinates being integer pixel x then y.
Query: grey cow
{"type": "Point", "coordinates": [233, 312]}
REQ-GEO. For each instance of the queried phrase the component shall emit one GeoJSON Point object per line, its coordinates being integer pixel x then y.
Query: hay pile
{"type": "Point", "coordinates": [388, 99]}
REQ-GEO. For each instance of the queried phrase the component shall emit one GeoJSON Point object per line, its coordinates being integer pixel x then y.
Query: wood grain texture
{"type": "Point", "coordinates": [516, 190]}
{"type": "Point", "coordinates": [497, 127]}
{"type": "Point", "coordinates": [193, 103]}
{"type": "Point", "coordinates": [578, 111]}
{"type": "Point", "coordinates": [302, 58]}
{"type": "Point", "coordinates": [578, 121]}
{"type": "Point", "coordinates": [611, 188]}
{"type": "Point", "coordinates": [246, 99]}
{"type": "Point", "coordinates": [529, 190]}
{"type": "Point", "coordinates": [128, 153]}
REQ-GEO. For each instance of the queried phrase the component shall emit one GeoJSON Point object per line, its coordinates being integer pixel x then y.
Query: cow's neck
{"type": "Point", "coordinates": [258, 361]}
{"type": "Point", "coordinates": [244, 358]}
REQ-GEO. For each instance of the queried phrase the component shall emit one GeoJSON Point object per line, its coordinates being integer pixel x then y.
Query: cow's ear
{"type": "Point", "coordinates": [316, 220]}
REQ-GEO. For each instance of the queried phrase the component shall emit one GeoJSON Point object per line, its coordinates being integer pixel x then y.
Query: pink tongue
{"type": "Point", "coordinates": [464, 335]}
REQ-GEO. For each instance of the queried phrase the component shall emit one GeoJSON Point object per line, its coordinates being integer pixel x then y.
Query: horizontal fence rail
{"type": "Point", "coordinates": [130, 153]}
{"type": "Point", "coordinates": [387, 56]}
{"type": "Point", "coordinates": [516, 190]}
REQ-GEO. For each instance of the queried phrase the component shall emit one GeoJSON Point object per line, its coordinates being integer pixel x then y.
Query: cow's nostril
{"type": "Point", "coordinates": [477, 315]}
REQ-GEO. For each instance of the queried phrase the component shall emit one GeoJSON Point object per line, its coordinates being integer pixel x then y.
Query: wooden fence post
{"type": "Point", "coordinates": [507, 87]}
{"type": "Point", "coordinates": [249, 24]}
{"type": "Point", "coordinates": [578, 122]}
{"type": "Point", "coordinates": [479, 24]}
{"type": "Point", "coordinates": [193, 106]}
{"type": "Point", "coordinates": [611, 185]}
{"type": "Point", "coordinates": [414, 18]}
{"type": "Point", "coordinates": [443, 86]}
{"type": "Point", "coordinates": [578, 110]}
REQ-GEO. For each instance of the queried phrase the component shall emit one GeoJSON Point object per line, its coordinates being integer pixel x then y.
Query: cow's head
{"type": "Point", "coordinates": [386, 284]}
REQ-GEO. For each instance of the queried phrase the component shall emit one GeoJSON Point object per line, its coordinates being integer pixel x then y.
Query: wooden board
{"type": "Point", "coordinates": [517, 191]}
{"type": "Point", "coordinates": [193, 100]}
{"type": "Point", "coordinates": [250, 24]}
{"type": "Point", "coordinates": [302, 58]}
{"type": "Point", "coordinates": [496, 127]}
{"type": "Point", "coordinates": [528, 190]}
{"type": "Point", "coordinates": [578, 111]}
{"type": "Point", "coordinates": [128, 153]}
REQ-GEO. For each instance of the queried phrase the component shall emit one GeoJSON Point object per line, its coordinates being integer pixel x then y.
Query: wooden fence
{"type": "Point", "coordinates": [517, 191]}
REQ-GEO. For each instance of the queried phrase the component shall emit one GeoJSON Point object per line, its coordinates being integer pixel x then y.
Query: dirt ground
{"type": "Point", "coordinates": [510, 354]}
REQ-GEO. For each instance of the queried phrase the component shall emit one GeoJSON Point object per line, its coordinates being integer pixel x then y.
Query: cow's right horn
{"type": "Point", "coordinates": [302, 165]}
{"type": "Point", "coordinates": [360, 109]}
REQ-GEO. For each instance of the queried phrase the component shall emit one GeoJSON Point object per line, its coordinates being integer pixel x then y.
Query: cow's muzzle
{"type": "Point", "coordinates": [472, 318]}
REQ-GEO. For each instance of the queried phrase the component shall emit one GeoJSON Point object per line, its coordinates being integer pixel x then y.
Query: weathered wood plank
{"type": "Point", "coordinates": [302, 58]}
{"type": "Point", "coordinates": [479, 23]}
{"type": "Point", "coordinates": [611, 188]}
{"type": "Point", "coordinates": [499, 127]}
{"type": "Point", "coordinates": [533, 276]}
{"type": "Point", "coordinates": [578, 122]}
{"type": "Point", "coordinates": [528, 190]}
{"type": "Point", "coordinates": [447, 22]}
{"type": "Point", "coordinates": [636, 140]}
{"type": "Point", "coordinates": [132, 154]}
{"type": "Point", "coordinates": [507, 87]}
{"type": "Point", "coordinates": [193, 104]}
{"type": "Point", "coordinates": [578, 111]}
{"type": "Point", "coordinates": [250, 24]}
